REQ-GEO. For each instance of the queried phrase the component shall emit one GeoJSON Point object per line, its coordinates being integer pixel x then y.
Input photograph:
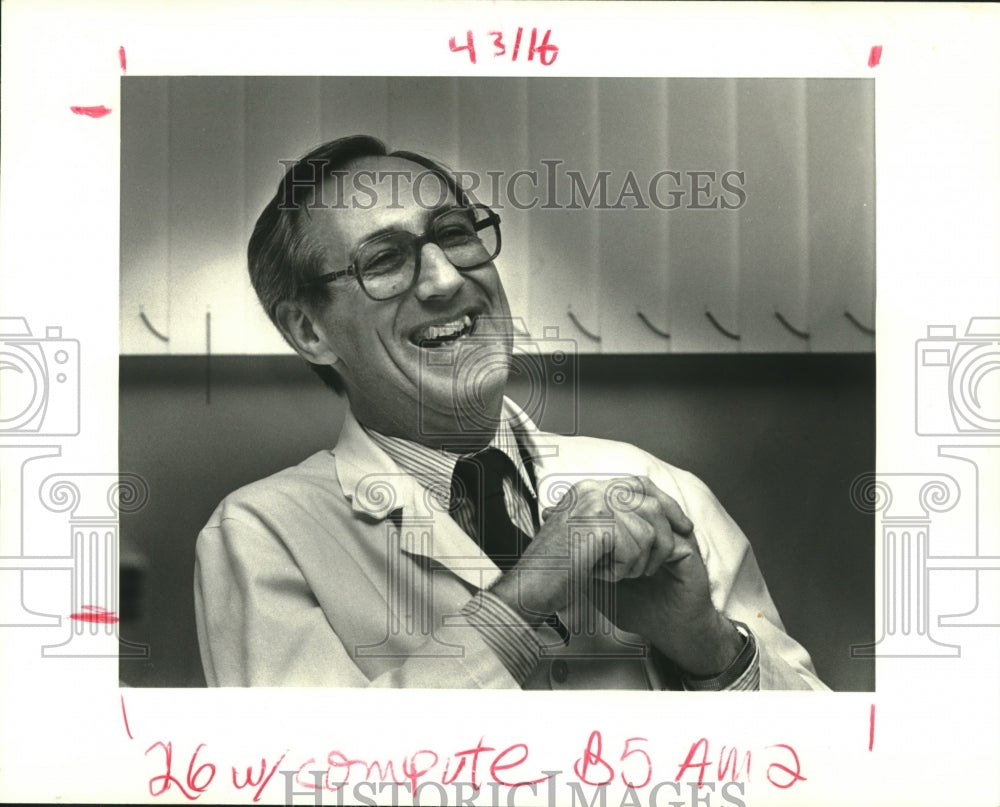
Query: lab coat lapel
{"type": "Point", "coordinates": [376, 487]}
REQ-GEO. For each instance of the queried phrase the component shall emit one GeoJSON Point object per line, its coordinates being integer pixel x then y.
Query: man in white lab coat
{"type": "Point", "coordinates": [445, 541]}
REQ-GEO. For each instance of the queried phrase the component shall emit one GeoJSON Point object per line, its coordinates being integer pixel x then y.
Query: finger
{"type": "Point", "coordinates": [577, 496]}
{"type": "Point", "coordinates": [653, 545]}
{"type": "Point", "coordinates": [679, 522]}
{"type": "Point", "coordinates": [639, 514]}
{"type": "Point", "coordinates": [634, 541]}
{"type": "Point", "coordinates": [685, 560]}
{"type": "Point", "coordinates": [652, 510]}
{"type": "Point", "coordinates": [663, 548]}
{"type": "Point", "coordinates": [685, 546]}
{"type": "Point", "coordinates": [603, 556]}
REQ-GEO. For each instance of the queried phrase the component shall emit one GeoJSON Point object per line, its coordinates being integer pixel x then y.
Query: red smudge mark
{"type": "Point", "coordinates": [90, 111]}
{"type": "Point", "coordinates": [128, 731]}
{"type": "Point", "coordinates": [94, 613]}
{"type": "Point", "coordinates": [871, 727]}
{"type": "Point", "coordinates": [121, 57]}
{"type": "Point", "coordinates": [875, 56]}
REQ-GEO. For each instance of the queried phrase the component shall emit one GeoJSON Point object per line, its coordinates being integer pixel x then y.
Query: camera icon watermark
{"type": "Point", "coordinates": [94, 502]}
{"type": "Point", "coordinates": [957, 393]}
{"type": "Point", "coordinates": [88, 562]}
{"type": "Point", "coordinates": [41, 381]}
{"type": "Point", "coordinates": [958, 379]}
{"type": "Point", "coordinates": [460, 379]}
{"type": "Point", "coordinates": [903, 504]}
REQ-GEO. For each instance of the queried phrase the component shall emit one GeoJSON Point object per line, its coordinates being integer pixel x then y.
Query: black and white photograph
{"type": "Point", "coordinates": [683, 270]}
{"type": "Point", "coordinates": [527, 403]}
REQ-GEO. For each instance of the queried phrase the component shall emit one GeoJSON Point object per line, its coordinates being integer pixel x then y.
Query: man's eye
{"type": "Point", "coordinates": [455, 234]}
{"type": "Point", "coordinates": [384, 262]}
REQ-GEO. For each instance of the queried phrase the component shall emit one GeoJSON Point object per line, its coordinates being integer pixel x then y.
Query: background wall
{"type": "Point", "coordinates": [777, 422]}
{"type": "Point", "coordinates": [203, 154]}
{"type": "Point", "coordinates": [778, 438]}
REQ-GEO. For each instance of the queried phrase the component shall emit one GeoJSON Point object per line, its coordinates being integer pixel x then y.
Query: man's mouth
{"type": "Point", "coordinates": [443, 333]}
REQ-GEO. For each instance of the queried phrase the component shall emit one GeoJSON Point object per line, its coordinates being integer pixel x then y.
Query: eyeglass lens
{"type": "Point", "coordinates": [386, 265]}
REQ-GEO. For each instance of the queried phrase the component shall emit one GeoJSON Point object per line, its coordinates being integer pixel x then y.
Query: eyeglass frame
{"type": "Point", "coordinates": [417, 243]}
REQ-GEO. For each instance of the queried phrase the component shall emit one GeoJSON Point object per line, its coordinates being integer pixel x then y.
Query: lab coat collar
{"type": "Point", "coordinates": [377, 487]}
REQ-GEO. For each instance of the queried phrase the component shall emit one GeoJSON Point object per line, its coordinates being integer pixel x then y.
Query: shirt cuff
{"type": "Point", "coordinates": [742, 674]}
{"type": "Point", "coordinates": [510, 637]}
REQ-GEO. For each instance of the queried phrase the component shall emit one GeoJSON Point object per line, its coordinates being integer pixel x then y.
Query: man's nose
{"type": "Point", "coordinates": [438, 275]}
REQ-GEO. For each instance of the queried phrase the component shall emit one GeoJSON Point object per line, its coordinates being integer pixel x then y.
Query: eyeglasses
{"type": "Point", "coordinates": [389, 265]}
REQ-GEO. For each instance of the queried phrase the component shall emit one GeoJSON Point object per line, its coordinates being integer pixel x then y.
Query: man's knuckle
{"type": "Point", "coordinates": [647, 533]}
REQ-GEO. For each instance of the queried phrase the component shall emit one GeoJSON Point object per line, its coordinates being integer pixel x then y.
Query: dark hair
{"type": "Point", "coordinates": [281, 256]}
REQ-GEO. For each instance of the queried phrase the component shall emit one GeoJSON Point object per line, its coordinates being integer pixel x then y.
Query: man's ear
{"type": "Point", "coordinates": [296, 325]}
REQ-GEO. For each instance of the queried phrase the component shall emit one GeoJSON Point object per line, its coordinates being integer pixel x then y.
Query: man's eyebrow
{"type": "Point", "coordinates": [433, 213]}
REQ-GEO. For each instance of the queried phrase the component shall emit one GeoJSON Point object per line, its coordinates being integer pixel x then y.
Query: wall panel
{"type": "Point", "coordinates": [206, 215]}
{"type": "Point", "coordinates": [635, 270]}
{"type": "Point", "coordinates": [201, 155]}
{"type": "Point", "coordinates": [145, 228]}
{"type": "Point", "coordinates": [704, 243]}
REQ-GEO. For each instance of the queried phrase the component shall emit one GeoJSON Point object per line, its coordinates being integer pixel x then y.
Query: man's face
{"type": "Point", "coordinates": [396, 384]}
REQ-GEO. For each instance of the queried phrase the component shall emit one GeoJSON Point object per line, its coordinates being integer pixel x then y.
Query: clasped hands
{"type": "Point", "coordinates": [627, 532]}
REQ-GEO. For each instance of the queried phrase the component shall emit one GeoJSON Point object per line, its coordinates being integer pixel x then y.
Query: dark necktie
{"type": "Point", "coordinates": [479, 480]}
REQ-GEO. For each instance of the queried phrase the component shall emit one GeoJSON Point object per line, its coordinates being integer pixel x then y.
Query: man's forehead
{"type": "Point", "coordinates": [374, 194]}
{"type": "Point", "coordinates": [386, 181]}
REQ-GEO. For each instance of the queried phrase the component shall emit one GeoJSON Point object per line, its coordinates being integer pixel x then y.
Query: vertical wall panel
{"type": "Point", "coordinates": [774, 250]}
{"type": "Point", "coordinates": [145, 231]}
{"type": "Point", "coordinates": [200, 158]}
{"type": "Point", "coordinates": [563, 126]}
{"type": "Point", "coordinates": [634, 267]}
{"type": "Point", "coordinates": [493, 145]}
{"type": "Point", "coordinates": [841, 135]}
{"type": "Point", "coordinates": [354, 105]}
{"type": "Point", "coordinates": [704, 243]}
{"type": "Point", "coordinates": [206, 214]}
{"type": "Point", "coordinates": [283, 122]}
{"type": "Point", "coordinates": [423, 116]}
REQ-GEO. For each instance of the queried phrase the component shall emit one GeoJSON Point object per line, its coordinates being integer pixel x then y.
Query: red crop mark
{"type": "Point", "coordinates": [121, 57]}
{"type": "Point", "coordinates": [871, 728]}
{"type": "Point", "coordinates": [875, 56]}
{"type": "Point", "coordinates": [95, 613]}
{"type": "Point", "coordinates": [128, 731]}
{"type": "Point", "coordinates": [90, 111]}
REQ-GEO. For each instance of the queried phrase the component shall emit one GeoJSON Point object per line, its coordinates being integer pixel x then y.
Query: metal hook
{"type": "Point", "coordinates": [585, 331]}
{"type": "Point", "coordinates": [790, 327]}
{"type": "Point", "coordinates": [651, 326]}
{"type": "Point", "coordinates": [858, 325]}
{"type": "Point", "coordinates": [719, 328]}
{"type": "Point", "coordinates": [148, 324]}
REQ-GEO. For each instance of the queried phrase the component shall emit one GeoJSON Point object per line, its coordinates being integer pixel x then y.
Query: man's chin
{"type": "Point", "coordinates": [460, 411]}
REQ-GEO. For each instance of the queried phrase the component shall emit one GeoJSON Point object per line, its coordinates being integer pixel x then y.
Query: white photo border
{"type": "Point", "coordinates": [71, 734]}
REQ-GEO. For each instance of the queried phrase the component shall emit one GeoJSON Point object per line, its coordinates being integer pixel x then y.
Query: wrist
{"type": "Point", "coordinates": [516, 591]}
{"type": "Point", "coordinates": [711, 650]}
{"type": "Point", "coordinates": [743, 674]}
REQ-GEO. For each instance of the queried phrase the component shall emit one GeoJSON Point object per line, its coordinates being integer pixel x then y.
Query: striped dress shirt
{"type": "Point", "coordinates": [513, 640]}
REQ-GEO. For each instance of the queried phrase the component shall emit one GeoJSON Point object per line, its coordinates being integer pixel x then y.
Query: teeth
{"type": "Point", "coordinates": [446, 330]}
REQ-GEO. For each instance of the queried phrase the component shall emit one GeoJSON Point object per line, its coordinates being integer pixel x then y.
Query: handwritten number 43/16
{"type": "Point", "coordinates": [545, 51]}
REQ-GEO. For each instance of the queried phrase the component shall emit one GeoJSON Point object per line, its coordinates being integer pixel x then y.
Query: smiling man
{"type": "Point", "coordinates": [421, 553]}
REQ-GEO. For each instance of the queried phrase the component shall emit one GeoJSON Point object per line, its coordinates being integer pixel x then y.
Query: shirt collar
{"type": "Point", "coordinates": [434, 467]}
